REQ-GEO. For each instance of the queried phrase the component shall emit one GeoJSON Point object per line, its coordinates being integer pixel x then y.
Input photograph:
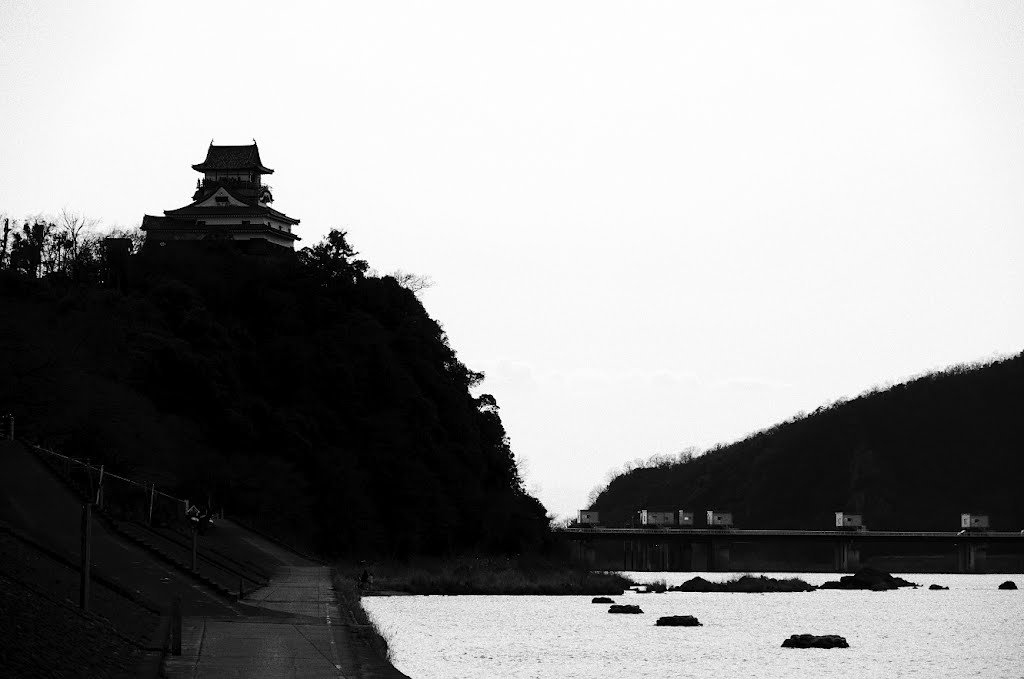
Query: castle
{"type": "Point", "coordinates": [231, 202]}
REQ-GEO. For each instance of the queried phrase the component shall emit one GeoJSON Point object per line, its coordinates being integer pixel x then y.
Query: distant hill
{"type": "Point", "coordinates": [910, 457]}
{"type": "Point", "coordinates": [298, 392]}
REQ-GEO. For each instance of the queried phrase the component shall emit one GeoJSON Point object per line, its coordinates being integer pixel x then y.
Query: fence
{"type": "Point", "coordinates": [118, 496]}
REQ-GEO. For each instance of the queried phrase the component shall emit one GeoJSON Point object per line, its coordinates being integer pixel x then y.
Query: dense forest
{"type": "Point", "coordinates": [911, 457]}
{"type": "Point", "coordinates": [299, 391]}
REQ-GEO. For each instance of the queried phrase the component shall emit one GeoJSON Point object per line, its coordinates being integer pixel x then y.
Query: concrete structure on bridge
{"type": "Point", "coordinates": [719, 519]}
{"type": "Point", "coordinates": [970, 521]}
{"type": "Point", "coordinates": [652, 518]}
{"type": "Point", "coordinates": [847, 520]}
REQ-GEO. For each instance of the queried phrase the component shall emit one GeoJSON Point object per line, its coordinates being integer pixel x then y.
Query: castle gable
{"type": "Point", "coordinates": [220, 198]}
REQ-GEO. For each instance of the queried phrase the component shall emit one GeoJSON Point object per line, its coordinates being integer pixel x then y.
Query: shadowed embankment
{"type": "Point", "coordinates": [43, 632]}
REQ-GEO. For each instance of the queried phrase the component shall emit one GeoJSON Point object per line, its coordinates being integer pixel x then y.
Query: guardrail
{"type": "Point", "coordinates": [121, 498]}
{"type": "Point", "coordinates": [97, 493]}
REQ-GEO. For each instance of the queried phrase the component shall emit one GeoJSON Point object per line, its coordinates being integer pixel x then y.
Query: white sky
{"type": "Point", "coordinates": [653, 225]}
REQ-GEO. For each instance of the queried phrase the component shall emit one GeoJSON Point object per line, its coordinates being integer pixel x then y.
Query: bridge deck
{"type": "Point", "coordinates": [773, 534]}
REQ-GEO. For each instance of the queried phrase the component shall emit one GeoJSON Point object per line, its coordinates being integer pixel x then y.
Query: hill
{"type": "Point", "coordinates": [910, 457]}
{"type": "Point", "coordinates": [298, 392]}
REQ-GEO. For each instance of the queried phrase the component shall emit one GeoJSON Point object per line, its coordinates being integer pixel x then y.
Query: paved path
{"type": "Point", "coordinates": [301, 644]}
{"type": "Point", "coordinates": [299, 633]}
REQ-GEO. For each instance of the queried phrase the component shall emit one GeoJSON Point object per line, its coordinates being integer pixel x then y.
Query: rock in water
{"type": "Point", "coordinates": [678, 621]}
{"type": "Point", "coordinates": [868, 578]}
{"type": "Point", "coordinates": [1009, 584]}
{"type": "Point", "coordinates": [937, 587]}
{"type": "Point", "coordinates": [601, 600]}
{"type": "Point", "coordinates": [624, 608]}
{"type": "Point", "coordinates": [813, 641]}
{"type": "Point", "coordinates": [697, 584]}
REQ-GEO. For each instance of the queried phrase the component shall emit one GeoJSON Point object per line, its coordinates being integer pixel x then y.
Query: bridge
{"type": "Point", "coordinates": [710, 549]}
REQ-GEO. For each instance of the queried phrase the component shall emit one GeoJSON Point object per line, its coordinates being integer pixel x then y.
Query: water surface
{"type": "Point", "coordinates": [972, 630]}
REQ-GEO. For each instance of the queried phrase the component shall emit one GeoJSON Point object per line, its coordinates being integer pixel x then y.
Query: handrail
{"type": "Point", "coordinates": [146, 486]}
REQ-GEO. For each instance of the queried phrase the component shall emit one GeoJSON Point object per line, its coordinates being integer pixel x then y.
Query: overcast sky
{"type": "Point", "coordinates": [652, 225]}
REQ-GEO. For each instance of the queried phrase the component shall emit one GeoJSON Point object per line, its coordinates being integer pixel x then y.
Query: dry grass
{"type": "Point", "coordinates": [348, 594]}
{"type": "Point", "coordinates": [490, 575]}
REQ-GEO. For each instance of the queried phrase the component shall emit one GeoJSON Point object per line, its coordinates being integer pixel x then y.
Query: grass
{"type": "Point", "coordinates": [347, 591]}
{"type": "Point", "coordinates": [491, 575]}
{"type": "Point", "coordinates": [746, 583]}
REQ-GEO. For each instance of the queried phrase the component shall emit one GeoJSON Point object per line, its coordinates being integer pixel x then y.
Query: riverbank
{"type": "Point", "coordinates": [43, 633]}
{"type": "Point", "coordinates": [346, 590]}
{"type": "Point", "coordinates": [487, 575]}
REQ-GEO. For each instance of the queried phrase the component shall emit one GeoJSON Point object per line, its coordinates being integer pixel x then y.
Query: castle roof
{"type": "Point", "coordinates": [230, 211]}
{"type": "Point", "coordinates": [233, 158]}
{"type": "Point", "coordinates": [151, 223]}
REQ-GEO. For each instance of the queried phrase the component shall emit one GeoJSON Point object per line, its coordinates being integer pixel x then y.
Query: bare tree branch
{"type": "Point", "coordinates": [411, 281]}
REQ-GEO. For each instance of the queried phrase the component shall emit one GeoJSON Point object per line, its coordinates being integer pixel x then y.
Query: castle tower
{"type": "Point", "coordinates": [231, 202]}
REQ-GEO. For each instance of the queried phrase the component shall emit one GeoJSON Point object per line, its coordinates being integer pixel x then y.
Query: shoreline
{"type": "Point", "coordinates": [483, 575]}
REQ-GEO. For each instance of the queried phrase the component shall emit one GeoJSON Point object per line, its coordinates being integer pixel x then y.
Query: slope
{"type": "Point", "coordinates": [910, 457]}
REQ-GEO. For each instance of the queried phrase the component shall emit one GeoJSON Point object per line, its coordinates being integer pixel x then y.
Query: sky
{"type": "Point", "coordinates": [654, 226]}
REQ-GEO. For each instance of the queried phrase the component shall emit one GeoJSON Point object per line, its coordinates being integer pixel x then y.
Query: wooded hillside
{"type": "Point", "coordinates": [910, 457]}
{"type": "Point", "coordinates": [300, 392]}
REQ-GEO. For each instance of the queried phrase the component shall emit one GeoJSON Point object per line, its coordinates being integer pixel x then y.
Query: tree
{"type": "Point", "coordinates": [486, 403]}
{"type": "Point", "coordinates": [3, 243]}
{"type": "Point", "coordinates": [43, 246]}
{"type": "Point", "coordinates": [335, 258]}
{"type": "Point", "coordinates": [28, 246]}
{"type": "Point", "coordinates": [415, 283]}
{"type": "Point", "coordinates": [68, 242]}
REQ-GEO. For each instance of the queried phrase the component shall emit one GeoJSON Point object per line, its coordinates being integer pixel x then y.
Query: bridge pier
{"type": "Point", "coordinates": [634, 555]}
{"type": "Point", "coordinates": [971, 557]}
{"type": "Point", "coordinates": [678, 558]}
{"type": "Point", "coordinates": [699, 556]}
{"type": "Point", "coordinates": [846, 556]}
{"type": "Point", "coordinates": [646, 555]}
{"type": "Point", "coordinates": [587, 553]}
{"type": "Point", "coordinates": [720, 555]}
{"type": "Point", "coordinates": [659, 557]}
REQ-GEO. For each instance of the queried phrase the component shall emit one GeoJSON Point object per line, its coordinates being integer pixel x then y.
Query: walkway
{"type": "Point", "coordinates": [301, 644]}
{"type": "Point", "coordinates": [299, 633]}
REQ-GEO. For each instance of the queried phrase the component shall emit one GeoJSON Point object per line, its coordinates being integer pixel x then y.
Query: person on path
{"type": "Point", "coordinates": [366, 580]}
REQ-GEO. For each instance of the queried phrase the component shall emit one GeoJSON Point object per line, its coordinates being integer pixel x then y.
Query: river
{"type": "Point", "coordinates": [972, 630]}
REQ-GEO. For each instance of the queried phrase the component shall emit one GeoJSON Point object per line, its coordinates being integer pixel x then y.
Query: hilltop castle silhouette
{"type": "Point", "coordinates": [231, 202]}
